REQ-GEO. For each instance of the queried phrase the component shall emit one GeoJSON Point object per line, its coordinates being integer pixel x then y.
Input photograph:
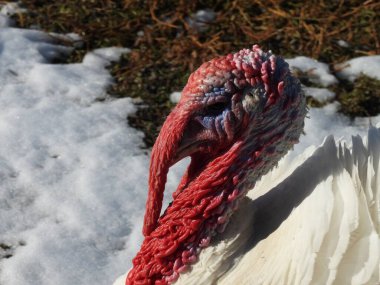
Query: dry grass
{"type": "Point", "coordinates": [165, 47]}
{"type": "Point", "coordinates": [361, 98]}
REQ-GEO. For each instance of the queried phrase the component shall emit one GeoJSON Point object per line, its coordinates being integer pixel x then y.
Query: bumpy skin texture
{"type": "Point", "coordinates": [238, 115]}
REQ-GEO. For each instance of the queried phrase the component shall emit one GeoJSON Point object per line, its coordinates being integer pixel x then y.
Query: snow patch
{"type": "Point", "coordinates": [322, 95]}
{"type": "Point", "coordinates": [69, 166]}
{"type": "Point", "coordinates": [175, 97]}
{"type": "Point", "coordinates": [9, 9]}
{"type": "Point", "coordinates": [351, 69]}
{"type": "Point", "coordinates": [318, 72]}
{"type": "Point", "coordinates": [201, 19]}
{"type": "Point", "coordinates": [104, 56]}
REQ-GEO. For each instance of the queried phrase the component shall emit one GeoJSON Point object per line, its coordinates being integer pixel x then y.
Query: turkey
{"type": "Point", "coordinates": [315, 220]}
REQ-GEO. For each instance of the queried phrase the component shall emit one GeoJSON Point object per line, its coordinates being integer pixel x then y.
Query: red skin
{"type": "Point", "coordinates": [247, 146]}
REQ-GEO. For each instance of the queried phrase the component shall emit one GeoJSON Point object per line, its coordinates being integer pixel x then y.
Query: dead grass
{"type": "Point", "coordinates": [361, 98]}
{"type": "Point", "coordinates": [165, 47]}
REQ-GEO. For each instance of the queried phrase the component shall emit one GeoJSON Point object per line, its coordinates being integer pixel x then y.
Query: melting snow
{"type": "Point", "coordinates": [318, 72]}
{"type": "Point", "coordinates": [175, 97]}
{"type": "Point", "coordinates": [368, 65]}
{"type": "Point", "coordinates": [72, 173]}
{"type": "Point", "coordinates": [201, 19]}
{"type": "Point", "coordinates": [320, 94]}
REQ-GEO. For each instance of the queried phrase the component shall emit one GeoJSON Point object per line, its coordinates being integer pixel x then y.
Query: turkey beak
{"type": "Point", "coordinates": [164, 155]}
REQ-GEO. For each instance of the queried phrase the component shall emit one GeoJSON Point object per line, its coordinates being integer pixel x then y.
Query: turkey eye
{"type": "Point", "coordinates": [215, 109]}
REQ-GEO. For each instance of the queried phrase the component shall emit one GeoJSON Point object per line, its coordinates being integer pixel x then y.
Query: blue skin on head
{"type": "Point", "coordinates": [216, 111]}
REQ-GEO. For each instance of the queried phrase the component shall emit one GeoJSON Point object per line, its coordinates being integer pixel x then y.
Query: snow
{"type": "Point", "coordinates": [69, 164]}
{"type": "Point", "coordinates": [343, 43]}
{"type": "Point", "coordinates": [174, 97]}
{"type": "Point", "coordinates": [201, 19]}
{"type": "Point", "coordinates": [103, 57]}
{"type": "Point", "coordinates": [318, 72]}
{"type": "Point", "coordinates": [4, 20]}
{"type": "Point", "coordinates": [73, 173]}
{"type": "Point", "coordinates": [326, 121]}
{"type": "Point", "coordinates": [351, 69]}
{"type": "Point", "coordinates": [11, 8]}
{"type": "Point", "coordinates": [7, 10]}
{"type": "Point", "coordinates": [322, 95]}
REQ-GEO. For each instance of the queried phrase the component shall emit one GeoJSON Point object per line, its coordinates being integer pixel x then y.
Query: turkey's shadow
{"type": "Point", "coordinates": [266, 213]}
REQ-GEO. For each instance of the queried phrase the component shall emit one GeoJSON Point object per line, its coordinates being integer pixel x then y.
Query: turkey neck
{"type": "Point", "coordinates": [197, 213]}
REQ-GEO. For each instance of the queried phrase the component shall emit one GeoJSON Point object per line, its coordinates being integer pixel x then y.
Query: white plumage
{"type": "Point", "coordinates": [312, 220]}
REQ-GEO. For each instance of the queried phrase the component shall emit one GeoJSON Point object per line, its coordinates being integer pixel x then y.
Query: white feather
{"type": "Point", "coordinates": [313, 220]}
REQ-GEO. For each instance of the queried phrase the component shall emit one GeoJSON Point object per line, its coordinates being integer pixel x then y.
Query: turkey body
{"type": "Point", "coordinates": [314, 220]}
